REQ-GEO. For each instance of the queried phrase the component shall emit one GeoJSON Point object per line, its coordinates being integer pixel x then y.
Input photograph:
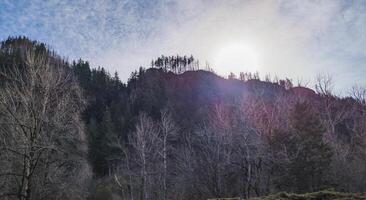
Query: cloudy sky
{"type": "Point", "coordinates": [296, 39]}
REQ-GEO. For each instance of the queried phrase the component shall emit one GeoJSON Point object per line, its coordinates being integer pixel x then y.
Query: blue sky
{"type": "Point", "coordinates": [297, 38]}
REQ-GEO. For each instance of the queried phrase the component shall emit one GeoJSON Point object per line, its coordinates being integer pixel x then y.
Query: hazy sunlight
{"type": "Point", "coordinates": [236, 58]}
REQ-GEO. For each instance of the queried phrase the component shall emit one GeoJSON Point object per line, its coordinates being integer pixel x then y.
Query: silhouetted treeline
{"type": "Point", "coordinates": [176, 64]}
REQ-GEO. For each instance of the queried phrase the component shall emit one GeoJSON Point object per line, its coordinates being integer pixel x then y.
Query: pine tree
{"type": "Point", "coordinates": [309, 155]}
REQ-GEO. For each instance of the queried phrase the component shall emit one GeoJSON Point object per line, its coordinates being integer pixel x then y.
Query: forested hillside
{"type": "Point", "coordinates": [172, 131]}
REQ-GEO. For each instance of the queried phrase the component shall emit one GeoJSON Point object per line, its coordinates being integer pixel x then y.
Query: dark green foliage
{"type": "Point", "coordinates": [104, 115]}
{"type": "Point", "coordinates": [309, 156]}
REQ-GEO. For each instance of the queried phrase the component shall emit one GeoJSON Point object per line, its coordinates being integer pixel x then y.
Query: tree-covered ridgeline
{"type": "Point", "coordinates": [172, 131]}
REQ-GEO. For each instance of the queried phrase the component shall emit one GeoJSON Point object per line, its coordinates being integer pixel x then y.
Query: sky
{"type": "Point", "coordinates": [288, 38]}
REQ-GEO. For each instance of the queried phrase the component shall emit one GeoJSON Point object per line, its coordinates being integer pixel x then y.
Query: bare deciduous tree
{"type": "Point", "coordinates": [144, 142]}
{"type": "Point", "coordinates": [42, 149]}
{"type": "Point", "coordinates": [324, 84]}
{"type": "Point", "coordinates": [168, 128]}
{"type": "Point", "coordinates": [359, 93]}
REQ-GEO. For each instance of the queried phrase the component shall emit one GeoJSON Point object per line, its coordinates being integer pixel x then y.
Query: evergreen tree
{"type": "Point", "coordinates": [309, 155]}
{"type": "Point", "coordinates": [99, 139]}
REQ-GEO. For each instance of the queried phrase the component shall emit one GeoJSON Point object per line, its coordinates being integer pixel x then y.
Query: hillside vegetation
{"type": "Point", "coordinates": [171, 131]}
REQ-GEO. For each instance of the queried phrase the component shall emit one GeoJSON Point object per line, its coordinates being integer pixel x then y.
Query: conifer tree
{"type": "Point", "coordinates": [309, 155]}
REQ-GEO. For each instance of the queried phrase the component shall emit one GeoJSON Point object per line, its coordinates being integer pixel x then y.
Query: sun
{"type": "Point", "coordinates": [236, 57]}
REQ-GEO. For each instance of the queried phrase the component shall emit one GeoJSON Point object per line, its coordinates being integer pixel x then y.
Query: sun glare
{"type": "Point", "coordinates": [236, 58]}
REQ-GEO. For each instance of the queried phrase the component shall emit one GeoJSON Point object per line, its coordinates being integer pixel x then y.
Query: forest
{"type": "Point", "coordinates": [173, 131]}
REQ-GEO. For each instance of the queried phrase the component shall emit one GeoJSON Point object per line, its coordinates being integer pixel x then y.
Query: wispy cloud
{"type": "Point", "coordinates": [293, 38]}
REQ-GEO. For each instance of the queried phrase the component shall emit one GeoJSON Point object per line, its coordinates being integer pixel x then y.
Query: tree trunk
{"type": "Point", "coordinates": [165, 168]}
{"type": "Point", "coordinates": [27, 180]}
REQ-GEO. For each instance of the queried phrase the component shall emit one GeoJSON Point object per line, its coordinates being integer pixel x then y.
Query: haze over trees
{"type": "Point", "coordinates": [173, 131]}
